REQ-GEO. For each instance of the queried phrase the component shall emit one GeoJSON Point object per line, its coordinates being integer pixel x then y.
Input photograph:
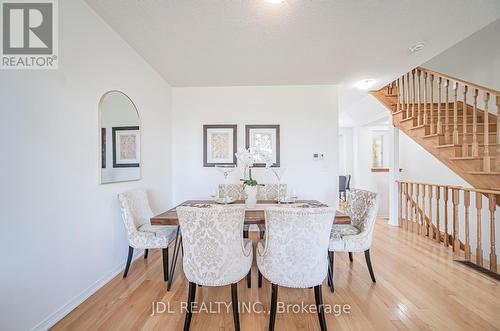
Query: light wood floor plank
{"type": "Point", "coordinates": [419, 287]}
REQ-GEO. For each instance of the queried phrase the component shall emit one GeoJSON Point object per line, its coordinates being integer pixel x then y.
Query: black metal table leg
{"type": "Point", "coordinates": [177, 243]}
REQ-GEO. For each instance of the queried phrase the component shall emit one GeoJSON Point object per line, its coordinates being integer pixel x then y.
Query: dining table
{"type": "Point", "coordinates": [254, 215]}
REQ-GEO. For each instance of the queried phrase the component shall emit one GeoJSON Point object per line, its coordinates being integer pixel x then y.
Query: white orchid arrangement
{"type": "Point", "coordinates": [248, 158]}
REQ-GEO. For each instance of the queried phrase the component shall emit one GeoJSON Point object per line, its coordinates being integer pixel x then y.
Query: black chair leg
{"type": "Point", "coordinates": [259, 279]}
{"type": "Point", "coordinates": [369, 264]}
{"type": "Point", "coordinates": [274, 303]}
{"type": "Point", "coordinates": [146, 251]}
{"type": "Point", "coordinates": [234, 298]}
{"type": "Point", "coordinates": [319, 307]}
{"type": "Point", "coordinates": [350, 256]}
{"type": "Point", "coordinates": [245, 234]}
{"type": "Point", "coordinates": [165, 263]}
{"type": "Point", "coordinates": [331, 264]}
{"type": "Point", "coordinates": [129, 259]}
{"type": "Point", "coordinates": [190, 300]}
{"type": "Point", "coordinates": [249, 279]}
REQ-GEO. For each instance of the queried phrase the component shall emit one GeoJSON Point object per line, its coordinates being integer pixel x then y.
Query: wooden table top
{"type": "Point", "coordinates": [252, 216]}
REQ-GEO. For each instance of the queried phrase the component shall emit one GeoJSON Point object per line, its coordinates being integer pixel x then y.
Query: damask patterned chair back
{"type": "Point", "coordinates": [214, 251]}
{"type": "Point", "coordinates": [135, 210]}
{"type": "Point", "coordinates": [234, 191]}
{"type": "Point", "coordinates": [270, 191]}
{"type": "Point", "coordinates": [294, 253]}
{"type": "Point", "coordinates": [362, 208]}
{"type": "Point", "coordinates": [264, 192]}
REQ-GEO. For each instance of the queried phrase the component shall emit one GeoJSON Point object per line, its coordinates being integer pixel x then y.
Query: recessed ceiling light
{"type": "Point", "coordinates": [275, 1]}
{"type": "Point", "coordinates": [417, 47]}
{"type": "Point", "coordinates": [365, 84]}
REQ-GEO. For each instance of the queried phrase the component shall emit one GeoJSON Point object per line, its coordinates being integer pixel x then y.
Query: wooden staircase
{"type": "Point", "coordinates": [447, 117]}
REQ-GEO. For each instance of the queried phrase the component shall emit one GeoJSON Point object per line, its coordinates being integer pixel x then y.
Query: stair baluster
{"type": "Point", "coordinates": [447, 112]}
{"type": "Point", "coordinates": [398, 103]}
{"type": "Point", "coordinates": [455, 201]}
{"type": "Point", "coordinates": [475, 145]}
{"type": "Point", "coordinates": [423, 226]}
{"type": "Point", "coordinates": [400, 210]}
{"type": "Point", "coordinates": [455, 114]}
{"type": "Point", "coordinates": [426, 117]}
{"type": "Point", "coordinates": [486, 152]}
{"type": "Point", "coordinates": [431, 226]}
{"type": "Point", "coordinates": [413, 94]}
{"type": "Point", "coordinates": [408, 207]}
{"type": "Point", "coordinates": [492, 202]}
{"type": "Point", "coordinates": [439, 120]}
{"type": "Point", "coordinates": [446, 234]}
{"type": "Point", "coordinates": [479, 245]}
{"type": "Point", "coordinates": [408, 111]}
{"type": "Point", "coordinates": [465, 147]}
{"type": "Point", "coordinates": [431, 105]}
{"type": "Point", "coordinates": [438, 228]}
{"type": "Point", "coordinates": [419, 101]}
{"type": "Point", "coordinates": [467, 239]}
{"type": "Point", "coordinates": [497, 156]}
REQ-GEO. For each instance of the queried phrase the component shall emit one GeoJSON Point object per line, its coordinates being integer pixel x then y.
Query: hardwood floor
{"type": "Point", "coordinates": [419, 286]}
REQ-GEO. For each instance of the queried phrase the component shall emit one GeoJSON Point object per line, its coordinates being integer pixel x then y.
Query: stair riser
{"type": "Point", "coordinates": [492, 151]}
{"type": "Point", "coordinates": [474, 164]}
{"type": "Point", "coordinates": [480, 139]}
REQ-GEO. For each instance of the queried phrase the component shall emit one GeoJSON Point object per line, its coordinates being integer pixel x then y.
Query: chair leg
{"type": "Point", "coordinates": [350, 257]}
{"type": "Point", "coordinates": [129, 259]}
{"type": "Point", "coordinates": [146, 251]}
{"type": "Point", "coordinates": [331, 264]}
{"type": "Point", "coordinates": [319, 307]}
{"type": "Point", "coordinates": [274, 303]}
{"type": "Point", "coordinates": [234, 298]}
{"type": "Point", "coordinates": [245, 234]}
{"type": "Point", "coordinates": [262, 233]}
{"type": "Point", "coordinates": [165, 263]}
{"type": "Point", "coordinates": [249, 278]}
{"type": "Point", "coordinates": [369, 264]}
{"type": "Point", "coordinates": [189, 312]}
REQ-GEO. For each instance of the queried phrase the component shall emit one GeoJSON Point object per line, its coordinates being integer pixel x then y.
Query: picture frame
{"type": "Point", "coordinates": [126, 146]}
{"type": "Point", "coordinates": [219, 144]}
{"type": "Point", "coordinates": [265, 137]}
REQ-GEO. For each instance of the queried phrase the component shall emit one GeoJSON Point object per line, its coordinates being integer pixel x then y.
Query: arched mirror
{"type": "Point", "coordinates": [120, 138]}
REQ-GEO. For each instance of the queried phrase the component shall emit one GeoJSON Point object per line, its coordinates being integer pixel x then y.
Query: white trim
{"type": "Point", "coordinates": [393, 177]}
{"type": "Point", "coordinates": [60, 313]}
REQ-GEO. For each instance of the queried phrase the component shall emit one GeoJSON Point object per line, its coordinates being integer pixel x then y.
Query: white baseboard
{"type": "Point", "coordinates": [59, 314]}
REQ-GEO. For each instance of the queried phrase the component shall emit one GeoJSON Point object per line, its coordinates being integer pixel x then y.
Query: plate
{"type": "Point", "coordinates": [223, 201]}
{"type": "Point", "coordinates": [287, 200]}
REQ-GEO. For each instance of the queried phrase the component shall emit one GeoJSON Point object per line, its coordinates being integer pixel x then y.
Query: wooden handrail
{"type": "Point", "coordinates": [461, 81]}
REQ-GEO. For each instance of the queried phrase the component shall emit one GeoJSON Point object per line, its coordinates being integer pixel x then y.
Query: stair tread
{"type": "Point", "coordinates": [447, 146]}
{"type": "Point", "coordinates": [469, 158]}
{"type": "Point", "coordinates": [484, 173]}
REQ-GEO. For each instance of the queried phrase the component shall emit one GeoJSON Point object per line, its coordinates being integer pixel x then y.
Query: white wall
{"type": "Point", "coordinates": [308, 118]}
{"type": "Point", "coordinates": [363, 177]}
{"type": "Point", "coordinates": [475, 59]}
{"type": "Point", "coordinates": [62, 233]}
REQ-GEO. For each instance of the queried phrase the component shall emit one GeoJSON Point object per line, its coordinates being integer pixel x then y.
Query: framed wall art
{"type": "Point", "coordinates": [265, 138]}
{"type": "Point", "coordinates": [219, 144]}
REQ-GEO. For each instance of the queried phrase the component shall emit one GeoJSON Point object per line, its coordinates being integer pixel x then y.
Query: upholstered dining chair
{"type": "Point", "coordinates": [264, 192]}
{"type": "Point", "coordinates": [355, 237]}
{"type": "Point", "coordinates": [294, 252]}
{"type": "Point", "coordinates": [215, 253]}
{"type": "Point", "coordinates": [136, 214]}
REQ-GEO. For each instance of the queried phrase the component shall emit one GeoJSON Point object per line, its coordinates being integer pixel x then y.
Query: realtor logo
{"type": "Point", "coordinates": [29, 34]}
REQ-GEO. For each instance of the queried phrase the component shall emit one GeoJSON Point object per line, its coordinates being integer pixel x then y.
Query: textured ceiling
{"type": "Point", "coordinates": [254, 42]}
